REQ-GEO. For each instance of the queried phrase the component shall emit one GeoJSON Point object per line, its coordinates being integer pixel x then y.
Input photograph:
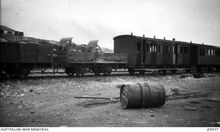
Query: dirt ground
{"type": "Point", "coordinates": [49, 102]}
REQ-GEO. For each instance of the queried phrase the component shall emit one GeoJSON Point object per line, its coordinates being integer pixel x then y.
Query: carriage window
{"type": "Point", "coordinates": [208, 52]}
{"type": "Point", "coordinates": [5, 32]}
{"type": "Point", "coordinates": [153, 48]}
{"type": "Point", "coordinates": [212, 52]}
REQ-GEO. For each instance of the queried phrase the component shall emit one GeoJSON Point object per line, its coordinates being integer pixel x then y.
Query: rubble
{"type": "Point", "coordinates": [212, 99]}
{"type": "Point", "coordinates": [38, 102]}
{"type": "Point", "coordinates": [190, 108]}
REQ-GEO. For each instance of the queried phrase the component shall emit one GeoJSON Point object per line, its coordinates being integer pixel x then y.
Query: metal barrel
{"type": "Point", "coordinates": [142, 95]}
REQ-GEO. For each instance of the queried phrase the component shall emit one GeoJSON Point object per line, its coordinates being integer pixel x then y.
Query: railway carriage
{"type": "Point", "coordinates": [147, 53]}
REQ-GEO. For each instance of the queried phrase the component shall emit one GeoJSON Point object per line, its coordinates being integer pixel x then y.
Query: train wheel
{"type": "Point", "coordinates": [173, 71]}
{"type": "Point", "coordinates": [79, 74]}
{"type": "Point", "coordinates": [80, 71]}
{"type": "Point", "coordinates": [107, 70]}
{"type": "Point", "coordinates": [141, 72]}
{"type": "Point", "coordinates": [24, 72]}
{"type": "Point", "coordinates": [188, 70]}
{"type": "Point", "coordinates": [96, 70]}
{"type": "Point", "coordinates": [43, 70]}
{"type": "Point", "coordinates": [131, 71]}
{"type": "Point", "coordinates": [162, 72]}
{"type": "Point", "coordinates": [217, 69]}
{"type": "Point", "coordinates": [69, 72]}
{"type": "Point", "coordinates": [3, 74]}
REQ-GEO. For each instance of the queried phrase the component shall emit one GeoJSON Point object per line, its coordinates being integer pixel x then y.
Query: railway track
{"type": "Point", "coordinates": [155, 72]}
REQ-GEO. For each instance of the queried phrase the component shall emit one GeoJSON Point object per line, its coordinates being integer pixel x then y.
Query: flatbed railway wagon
{"type": "Point", "coordinates": [90, 59]}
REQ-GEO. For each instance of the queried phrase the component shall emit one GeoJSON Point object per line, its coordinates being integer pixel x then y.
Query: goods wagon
{"type": "Point", "coordinates": [19, 58]}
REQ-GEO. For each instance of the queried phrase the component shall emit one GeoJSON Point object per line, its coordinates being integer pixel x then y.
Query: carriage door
{"type": "Point", "coordinates": [176, 53]}
{"type": "Point", "coordinates": [193, 55]}
{"type": "Point", "coordinates": [144, 51]}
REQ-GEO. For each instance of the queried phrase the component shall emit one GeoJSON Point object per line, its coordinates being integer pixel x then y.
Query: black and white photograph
{"type": "Point", "coordinates": [109, 63]}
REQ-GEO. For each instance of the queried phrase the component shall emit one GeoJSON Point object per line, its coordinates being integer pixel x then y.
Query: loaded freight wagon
{"type": "Point", "coordinates": [81, 59]}
{"type": "Point", "coordinates": [19, 58]}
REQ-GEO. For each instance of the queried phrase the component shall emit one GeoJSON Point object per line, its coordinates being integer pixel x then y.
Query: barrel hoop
{"type": "Point", "coordinates": [147, 97]}
{"type": "Point", "coordinates": [142, 93]}
{"type": "Point", "coordinates": [163, 95]}
{"type": "Point", "coordinates": [124, 97]}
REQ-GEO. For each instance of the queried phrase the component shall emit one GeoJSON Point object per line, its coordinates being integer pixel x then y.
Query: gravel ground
{"type": "Point", "coordinates": [49, 102]}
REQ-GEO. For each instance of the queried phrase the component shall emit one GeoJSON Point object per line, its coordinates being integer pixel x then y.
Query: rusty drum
{"type": "Point", "coordinates": [142, 95]}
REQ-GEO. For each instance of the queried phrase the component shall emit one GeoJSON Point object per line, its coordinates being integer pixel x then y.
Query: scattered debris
{"type": "Point", "coordinates": [187, 95]}
{"type": "Point", "coordinates": [211, 75]}
{"type": "Point", "coordinates": [31, 90]}
{"type": "Point", "coordinates": [151, 111]}
{"type": "Point", "coordinates": [198, 75]}
{"type": "Point", "coordinates": [90, 103]}
{"type": "Point", "coordinates": [194, 102]}
{"type": "Point", "coordinates": [37, 93]}
{"type": "Point", "coordinates": [212, 100]}
{"type": "Point", "coordinates": [152, 115]}
{"type": "Point", "coordinates": [183, 76]}
{"type": "Point", "coordinates": [103, 80]}
{"type": "Point", "coordinates": [21, 95]}
{"type": "Point", "coordinates": [175, 91]}
{"type": "Point", "coordinates": [96, 100]}
{"type": "Point", "coordinates": [190, 108]}
{"type": "Point", "coordinates": [206, 106]}
{"type": "Point", "coordinates": [92, 97]}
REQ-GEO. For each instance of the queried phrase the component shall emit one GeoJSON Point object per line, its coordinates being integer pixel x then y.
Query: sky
{"type": "Point", "coordinates": [84, 20]}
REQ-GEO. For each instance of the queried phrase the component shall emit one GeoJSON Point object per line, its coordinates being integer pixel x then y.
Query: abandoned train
{"type": "Point", "coordinates": [144, 52]}
{"type": "Point", "coordinates": [133, 53]}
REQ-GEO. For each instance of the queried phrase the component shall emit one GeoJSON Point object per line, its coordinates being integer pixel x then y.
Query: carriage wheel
{"type": "Point", "coordinates": [107, 70]}
{"type": "Point", "coordinates": [70, 72]}
{"type": "Point", "coordinates": [141, 72]}
{"type": "Point", "coordinates": [131, 71]}
{"type": "Point", "coordinates": [24, 72]}
{"type": "Point", "coordinates": [96, 70]}
{"type": "Point", "coordinates": [80, 71]}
